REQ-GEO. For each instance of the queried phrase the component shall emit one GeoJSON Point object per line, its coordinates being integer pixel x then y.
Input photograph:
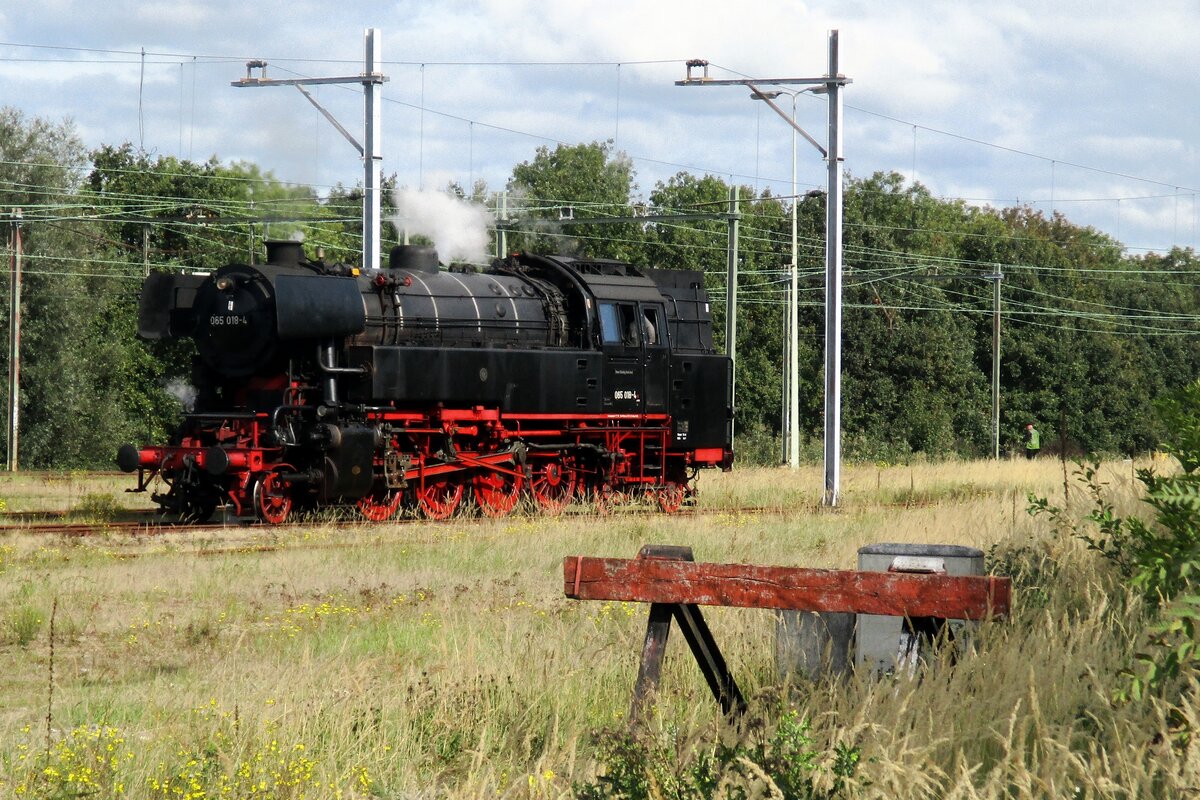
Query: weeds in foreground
{"type": "Point", "coordinates": [762, 759]}
{"type": "Point", "coordinates": [22, 623]}
{"type": "Point", "coordinates": [88, 760]}
{"type": "Point", "coordinates": [1159, 557]}
{"type": "Point", "coordinates": [228, 758]}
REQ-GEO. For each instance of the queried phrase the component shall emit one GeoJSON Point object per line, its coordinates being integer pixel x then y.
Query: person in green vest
{"type": "Point", "coordinates": [1033, 441]}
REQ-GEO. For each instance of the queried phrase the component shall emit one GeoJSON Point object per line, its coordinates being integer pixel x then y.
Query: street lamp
{"type": "Point", "coordinates": [371, 79]}
{"type": "Point", "coordinates": [831, 85]}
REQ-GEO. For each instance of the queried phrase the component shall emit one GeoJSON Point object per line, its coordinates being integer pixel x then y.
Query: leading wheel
{"type": "Point", "coordinates": [197, 510]}
{"type": "Point", "coordinates": [272, 498]}
{"type": "Point", "coordinates": [553, 486]}
{"type": "Point", "coordinates": [439, 498]}
{"type": "Point", "coordinates": [497, 492]}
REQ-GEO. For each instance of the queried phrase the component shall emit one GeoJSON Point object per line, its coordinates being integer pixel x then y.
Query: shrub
{"type": "Point", "coordinates": [98, 507]}
{"type": "Point", "coordinates": [783, 762]}
{"type": "Point", "coordinates": [23, 623]}
{"type": "Point", "coordinates": [1159, 557]}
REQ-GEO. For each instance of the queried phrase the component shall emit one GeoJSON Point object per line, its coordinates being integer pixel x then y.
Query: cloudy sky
{"type": "Point", "coordinates": [1085, 108]}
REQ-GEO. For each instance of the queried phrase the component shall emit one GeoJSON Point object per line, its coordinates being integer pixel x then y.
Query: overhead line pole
{"type": "Point", "coordinates": [833, 285]}
{"type": "Point", "coordinates": [830, 84]}
{"type": "Point", "coordinates": [14, 345]}
{"type": "Point", "coordinates": [371, 80]}
{"type": "Point", "coordinates": [731, 288]}
{"type": "Point", "coordinates": [996, 277]}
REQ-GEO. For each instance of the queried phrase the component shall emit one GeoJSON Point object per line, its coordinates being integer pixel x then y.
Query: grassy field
{"type": "Point", "coordinates": [442, 660]}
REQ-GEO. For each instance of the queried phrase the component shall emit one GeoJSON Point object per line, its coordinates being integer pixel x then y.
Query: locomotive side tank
{"type": "Point", "coordinates": [543, 377]}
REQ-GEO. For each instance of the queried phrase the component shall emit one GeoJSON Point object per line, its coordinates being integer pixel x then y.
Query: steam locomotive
{"type": "Point", "coordinates": [548, 379]}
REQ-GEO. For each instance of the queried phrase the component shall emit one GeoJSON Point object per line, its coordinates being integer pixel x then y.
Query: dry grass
{"type": "Point", "coordinates": [443, 660]}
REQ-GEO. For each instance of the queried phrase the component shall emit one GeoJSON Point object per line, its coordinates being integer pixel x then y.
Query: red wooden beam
{"type": "Point", "coordinates": [656, 580]}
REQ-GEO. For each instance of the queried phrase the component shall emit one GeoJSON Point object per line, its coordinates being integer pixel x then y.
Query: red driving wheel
{"type": "Point", "coordinates": [439, 498]}
{"type": "Point", "coordinates": [272, 498]}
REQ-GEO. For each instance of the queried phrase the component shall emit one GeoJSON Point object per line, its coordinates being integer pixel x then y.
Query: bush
{"type": "Point", "coordinates": [1159, 557]}
{"type": "Point", "coordinates": [23, 623]}
{"type": "Point", "coordinates": [98, 507]}
{"type": "Point", "coordinates": [761, 761]}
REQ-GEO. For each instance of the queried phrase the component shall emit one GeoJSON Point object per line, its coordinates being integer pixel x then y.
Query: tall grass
{"type": "Point", "coordinates": [443, 660]}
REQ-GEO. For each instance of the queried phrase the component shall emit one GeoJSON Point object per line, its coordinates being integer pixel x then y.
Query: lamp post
{"type": "Point", "coordinates": [371, 79]}
{"type": "Point", "coordinates": [791, 380]}
{"type": "Point", "coordinates": [831, 85]}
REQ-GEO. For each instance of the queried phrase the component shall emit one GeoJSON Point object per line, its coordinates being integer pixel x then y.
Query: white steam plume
{"type": "Point", "coordinates": [458, 228]}
{"type": "Point", "coordinates": [184, 392]}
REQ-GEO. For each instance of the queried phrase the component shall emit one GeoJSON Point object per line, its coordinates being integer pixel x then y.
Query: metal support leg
{"type": "Point", "coordinates": [699, 638]}
{"type": "Point", "coordinates": [655, 646]}
{"type": "Point", "coordinates": [708, 657]}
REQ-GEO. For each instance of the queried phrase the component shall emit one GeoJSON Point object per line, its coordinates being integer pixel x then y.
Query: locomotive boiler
{"type": "Point", "coordinates": [546, 378]}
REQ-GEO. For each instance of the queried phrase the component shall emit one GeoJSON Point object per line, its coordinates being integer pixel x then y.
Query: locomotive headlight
{"type": "Point", "coordinates": [224, 283]}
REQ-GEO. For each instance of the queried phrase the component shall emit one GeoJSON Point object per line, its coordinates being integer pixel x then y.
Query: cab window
{"type": "Point", "coordinates": [620, 324]}
{"type": "Point", "coordinates": [610, 328]}
{"type": "Point", "coordinates": [652, 328]}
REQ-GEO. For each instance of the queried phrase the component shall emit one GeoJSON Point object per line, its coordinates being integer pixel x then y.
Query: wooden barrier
{"type": "Point", "coordinates": [676, 585]}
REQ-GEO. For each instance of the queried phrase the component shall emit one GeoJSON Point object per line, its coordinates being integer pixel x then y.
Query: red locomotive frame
{"type": "Point", "coordinates": [499, 460]}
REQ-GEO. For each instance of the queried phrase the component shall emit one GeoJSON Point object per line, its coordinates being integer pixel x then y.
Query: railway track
{"type": "Point", "coordinates": [58, 523]}
{"type": "Point", "coordinates": [154, 526]}
{"type": "Point", "coordinates": [259, 537]}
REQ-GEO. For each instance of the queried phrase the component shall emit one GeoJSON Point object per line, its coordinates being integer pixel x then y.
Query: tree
{"type": "Point", "coordinates": [585, 180]}
{"type": "Point", "coordinates": [74, 359]}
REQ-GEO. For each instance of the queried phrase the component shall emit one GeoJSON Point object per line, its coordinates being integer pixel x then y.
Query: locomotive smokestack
{"type": "Point", "coordinates": [285, 254]}
{"type": "Point", "coordinates": [415, 257]}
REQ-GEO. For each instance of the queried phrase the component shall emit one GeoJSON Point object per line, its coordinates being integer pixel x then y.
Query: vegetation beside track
{"type": "Point", "coordinates": [441, 659]}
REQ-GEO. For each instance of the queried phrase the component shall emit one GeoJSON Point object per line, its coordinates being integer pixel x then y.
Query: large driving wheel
{"type": "Point", "coordinates": [553, 486]}
{"type": "Point", "coordinates": [439, 498]}
{"type": "Point", "coordinates": [670, 497]}
{"type": "Point", "coordinates": [197, 510]}
{"type": "Point", "coordinates": [379, 506]}
{"type": "Point", "coordinates": [497, 492]}
{"type": "Point", "coordinates": [272, 498]}
{"type": "Point", "coordinates": [603, 496]}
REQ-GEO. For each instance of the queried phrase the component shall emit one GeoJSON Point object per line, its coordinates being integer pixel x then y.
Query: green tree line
{"type": "Point", "coordinates": [1090, 333]}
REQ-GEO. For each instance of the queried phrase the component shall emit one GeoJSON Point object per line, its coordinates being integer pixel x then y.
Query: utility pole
{"type": "Point", "coordinates": [371, 80]}
{"type": "Point", "coordinates": [791, 370]}
{"type": "Point", "coordinates": [995, 278]}
{"type": "Point", "coordinates": [830, 84]}
{"type": "Point", "coordinates": [793, 320]}
{"type": "Point", "coordinates": [731, 288]}
{"type": "Point", "coordinates": [14, 344]}
{"type": "Point", "coordinates": [833, 284]}
{"type": "Point", "coordinates": [502, 222]}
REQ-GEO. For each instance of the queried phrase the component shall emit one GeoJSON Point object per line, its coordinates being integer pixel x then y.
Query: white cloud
{"type": "Point", "coordinates": [1090, 81]}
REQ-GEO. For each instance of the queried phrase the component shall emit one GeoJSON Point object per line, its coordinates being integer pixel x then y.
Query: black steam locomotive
{"type": "Point", "coordinates": [542, 377]}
